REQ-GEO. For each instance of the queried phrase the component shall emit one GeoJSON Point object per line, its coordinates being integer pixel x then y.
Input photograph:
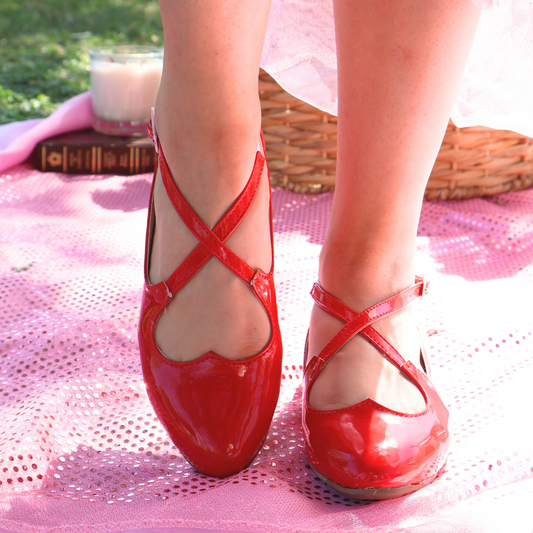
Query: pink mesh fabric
{"type": "Point", "coordinates": [497, 84]}
{"type": "Point", "coordinates": [81, 450]}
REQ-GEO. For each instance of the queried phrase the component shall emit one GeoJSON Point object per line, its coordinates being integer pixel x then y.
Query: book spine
{"type": "Point", "coordinates": [95, 159]}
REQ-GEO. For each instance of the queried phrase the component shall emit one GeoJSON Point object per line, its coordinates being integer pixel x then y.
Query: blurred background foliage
{"type": "Point", "coordinates": [44, 47]}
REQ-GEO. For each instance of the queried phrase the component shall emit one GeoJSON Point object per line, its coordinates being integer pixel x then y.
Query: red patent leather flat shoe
{"type": "Point", "coordinates": [368, 451]}
{"type": "Point", "coordinates": [217, 411]}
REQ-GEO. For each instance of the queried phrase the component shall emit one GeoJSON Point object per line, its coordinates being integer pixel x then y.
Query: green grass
{"type": "Point", "coordinates": [44, 47]}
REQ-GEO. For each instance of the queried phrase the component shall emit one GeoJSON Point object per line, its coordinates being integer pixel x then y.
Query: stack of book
{"type": "Point", "coordinates": [90, 152]}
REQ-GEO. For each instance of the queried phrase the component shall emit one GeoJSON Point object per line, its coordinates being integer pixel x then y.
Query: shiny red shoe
{"type": "Point", "coordinates": [368, 451]}
{"type": "Point", "coordinates": [217, 411]}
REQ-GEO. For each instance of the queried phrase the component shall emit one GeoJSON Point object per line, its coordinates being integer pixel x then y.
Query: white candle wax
{"type": "Point", "coordinates": [124, 92]}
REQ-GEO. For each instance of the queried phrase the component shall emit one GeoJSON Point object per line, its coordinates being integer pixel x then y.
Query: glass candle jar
{"type": "Point", "coordinates": [124, 85]}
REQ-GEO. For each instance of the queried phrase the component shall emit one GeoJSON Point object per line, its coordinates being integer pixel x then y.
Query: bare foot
{"type": "Point", "coordinates": [358, 370]}
{"type": "Point", "coordinates": [215, 311]}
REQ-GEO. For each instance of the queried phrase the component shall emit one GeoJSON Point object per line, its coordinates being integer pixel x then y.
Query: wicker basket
{"type": "Point", "coordinates": [301, 144]}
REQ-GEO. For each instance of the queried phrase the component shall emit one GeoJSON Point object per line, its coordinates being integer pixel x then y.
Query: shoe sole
{"type": "Point", "coordinates": [372, 493]}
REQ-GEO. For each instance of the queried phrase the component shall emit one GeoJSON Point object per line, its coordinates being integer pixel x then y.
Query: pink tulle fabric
{"type": "Point", "coordinates": [496, 88]}
{"type": "Point", "coordinates": [81, 450]}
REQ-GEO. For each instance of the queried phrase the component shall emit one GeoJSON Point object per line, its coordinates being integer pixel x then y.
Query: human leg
{"type": "Point", "coordinates": [209, 338]}
{"type": "Point", "coordinates": [399, 66]}
{"type": "Point", "coordinates": [208, 120]}
{"type": "Point", "coordinates": [374, 426]}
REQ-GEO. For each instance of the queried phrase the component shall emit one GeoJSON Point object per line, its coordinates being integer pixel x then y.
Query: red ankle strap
{"type": "Point", "coordinates": [211, 241]}
{"type": "Point", "coordinates": [151, 130]}
{"type": "Point", "coordinates": [361, 323]}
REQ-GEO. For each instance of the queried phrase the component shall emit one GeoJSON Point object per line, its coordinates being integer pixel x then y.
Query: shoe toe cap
{"type": "Point", "coordinates": [366, 447]}
{"type": "Point", "coordinates": [216, 411]}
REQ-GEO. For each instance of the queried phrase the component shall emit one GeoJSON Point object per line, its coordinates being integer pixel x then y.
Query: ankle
{"type": "Point", "coordinates": [361, 277]}
{"type": "Point", "coordinates": [209, 149]}
{"type": "Point", "coordinates": [212, 172]}
{"type": "Point", "coordinates": [207, 132]}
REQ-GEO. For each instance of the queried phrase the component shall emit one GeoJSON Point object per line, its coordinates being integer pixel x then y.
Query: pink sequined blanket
{"type": "Point", "coordinates": [82, 452]}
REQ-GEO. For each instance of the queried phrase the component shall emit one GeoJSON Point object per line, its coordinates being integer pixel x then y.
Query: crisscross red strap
{"type": "Point", "coordinates": [211, 241]}
{"type": "Point", "coordinates": [361, 323]}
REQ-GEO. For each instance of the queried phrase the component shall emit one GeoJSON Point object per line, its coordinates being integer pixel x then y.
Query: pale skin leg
{"type": "Point", "coordinates": [208, 119]}
{"type": "Point", "coordinates": [399, 67]}
{"type": "Point", "coordinates": [400, 64]}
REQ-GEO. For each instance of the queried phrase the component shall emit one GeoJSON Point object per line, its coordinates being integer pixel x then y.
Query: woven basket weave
{"type": "Point", "coordinates": [301, 143]}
